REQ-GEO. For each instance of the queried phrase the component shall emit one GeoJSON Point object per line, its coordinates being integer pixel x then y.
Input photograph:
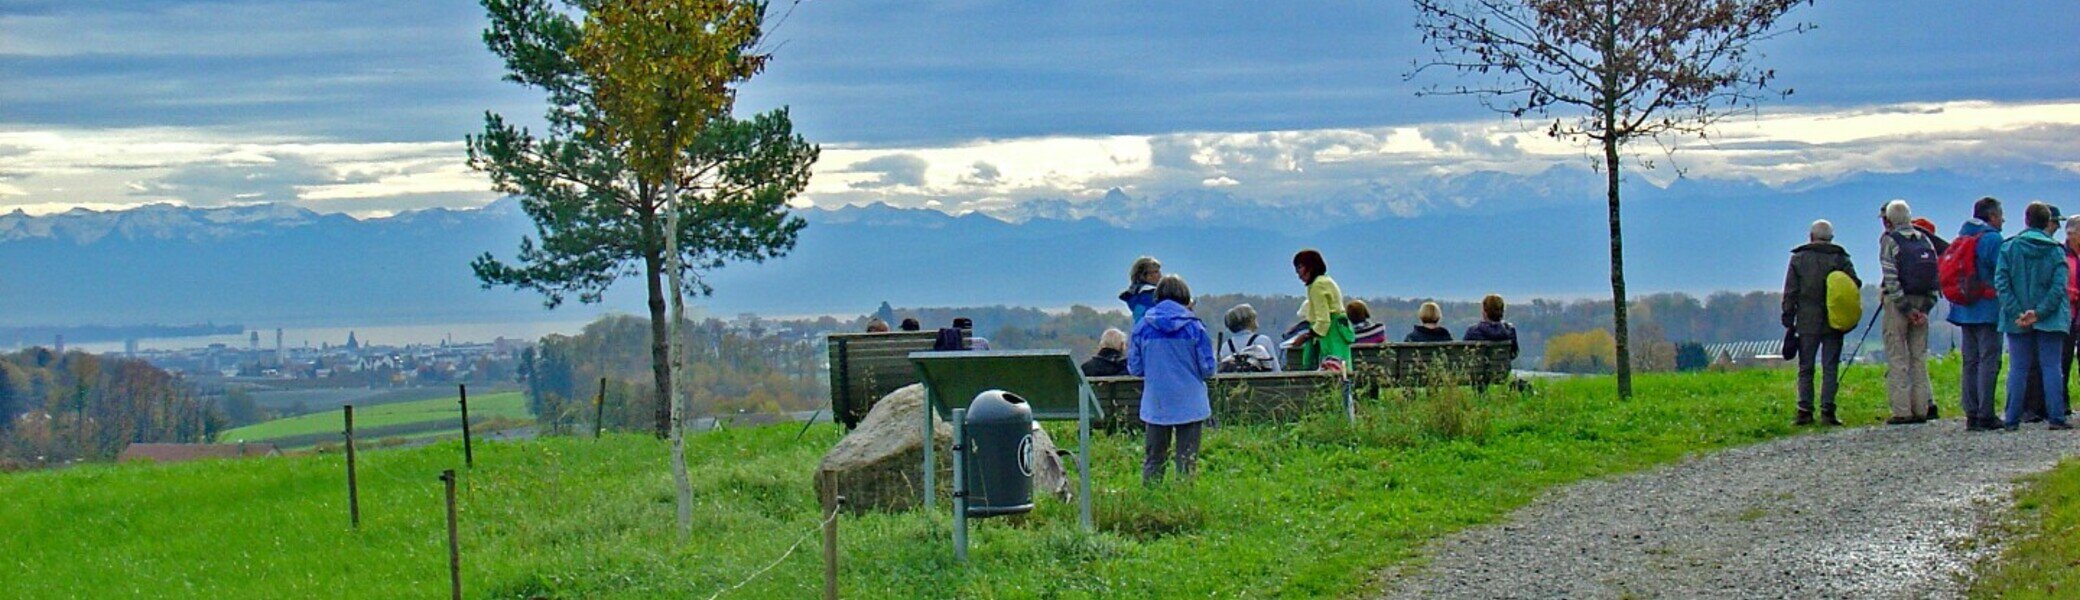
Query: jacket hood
{"type": "Point", "coordinates": [1821, 247]}
{"type": "Point", "coordinates": [2036, 244]}
{"type": "Point", "coordinates": [1137, 289]}
{"type": "Point", "coordinates": [1976, 227]}
{"type": "Point", "coordinates": [1170, 317]}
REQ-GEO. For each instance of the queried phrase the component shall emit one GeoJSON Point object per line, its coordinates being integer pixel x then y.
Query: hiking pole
{"type": "Point", "coordinates": [1867, 330]}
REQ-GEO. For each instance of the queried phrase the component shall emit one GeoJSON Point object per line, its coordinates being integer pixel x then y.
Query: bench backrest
{"type": "Point", "coordinates": [1236, 397]}
{"type": "Point", "coordinates": [1416, 364]}
{"type": "Point", "coordinates": [867, 366]}
{"type": "Point", "coordinates": [1049, 380]}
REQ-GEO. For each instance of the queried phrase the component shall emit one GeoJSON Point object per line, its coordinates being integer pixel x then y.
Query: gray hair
{"type": "Point", "coordinates": [1114, 339]}
{"type": "Point", "coordinates": [1822, 231]}
{"type": "Point", "coordinates": [1173, 288]}
{"type": "Point", "coordinates": [1897, 213]}
{"type": "Point", "coordinates": [1244, 317]}
{"type": "Point", "coordinates": [2073, 222]}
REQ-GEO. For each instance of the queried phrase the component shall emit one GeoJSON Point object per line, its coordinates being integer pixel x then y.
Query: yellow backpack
{"type": "Point", "coordinates": [1844, 301]}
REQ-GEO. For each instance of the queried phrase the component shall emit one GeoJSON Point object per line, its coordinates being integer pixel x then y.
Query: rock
{"type": "Point", "coordinates": [879, 466]}
{"type": "Point", "coordinates": [1050, 475]}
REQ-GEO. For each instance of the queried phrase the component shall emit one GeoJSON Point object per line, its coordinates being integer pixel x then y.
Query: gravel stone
{"type": "Point", "coordinates": [1869, 512]}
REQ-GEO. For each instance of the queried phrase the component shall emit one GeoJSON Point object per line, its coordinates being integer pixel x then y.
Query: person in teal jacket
{"type": "Point", "coordinates": [2030, 282]}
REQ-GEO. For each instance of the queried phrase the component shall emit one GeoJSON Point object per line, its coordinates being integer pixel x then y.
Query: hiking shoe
{"type": "Point", "coordinates": [1971, 424]}
{"type": "Point", "coordinates": [2059, 427]}
{"type": "Point", "coordinates": [1805, 417]}
{"type": "Point", "coordinates": [1827, 418]}
{"type": "Point", "coordinates": [1932, 414]}
{"type": "Point", "coordinates": [1903, 421]}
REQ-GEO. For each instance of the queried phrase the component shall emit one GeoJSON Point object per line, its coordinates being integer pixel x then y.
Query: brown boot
{"type": "Point", "coordinates": [1827, 418]}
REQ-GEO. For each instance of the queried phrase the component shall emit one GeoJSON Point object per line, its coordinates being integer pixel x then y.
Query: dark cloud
{"type": "Point", "coordinates": [914, 73]}
{"type": "Point", "coordinates": [894, 169]}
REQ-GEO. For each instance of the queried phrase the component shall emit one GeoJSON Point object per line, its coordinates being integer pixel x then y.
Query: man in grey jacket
{"type": "Point", "coordinates": [1910, 292]}
{"type": "Point", "coordinates": [1805, 311]}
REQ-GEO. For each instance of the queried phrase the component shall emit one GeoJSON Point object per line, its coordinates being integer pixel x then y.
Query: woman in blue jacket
{"type": "Point", "coordinates": [1141, 288]}
{"type": "Point", "coordinates": [1172, 354]}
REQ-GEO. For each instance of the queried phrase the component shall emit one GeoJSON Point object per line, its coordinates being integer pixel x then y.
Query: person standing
{"type": "Point", "coordinates": [1169, 350]}
{"type": "Point", "coordinates": [1911, 285]}
{"type": "Point", "coordinates": [1326, 343]}
{"type": "Point", "coordinates": [1805, 311]}
{"type": "Point", "coordinates": [1976, 313]}
{"type": "Point", "coordinates": [2030, 280]}
{"type": "Point", "coordinates": [1141, 288]}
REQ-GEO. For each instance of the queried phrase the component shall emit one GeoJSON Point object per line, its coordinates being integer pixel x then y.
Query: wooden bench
{"type": "Point", "coordinates": [866, 366]}
{"type": "Point", "coordinates": [1237, 398]}
{"type": "Point", "coordinates": [1412, 364]}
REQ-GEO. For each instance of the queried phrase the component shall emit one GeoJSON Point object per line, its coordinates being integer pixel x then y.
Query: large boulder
{"type": "Point", "coordinates": [879, 466]}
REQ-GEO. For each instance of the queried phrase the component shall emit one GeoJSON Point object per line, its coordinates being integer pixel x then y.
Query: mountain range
{"type": "Point", "coordinates": [1539, 235]}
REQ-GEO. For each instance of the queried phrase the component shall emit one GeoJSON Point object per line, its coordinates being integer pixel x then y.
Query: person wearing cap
{"type": "Point", "coordinates": [1905, 318]}
{"type": "Point", "coordinates": [2030, 281]}
{"type": "Point", "coordinates": [1978, 321]}
{"type": "Point", "coordinates": [967, 327]}
{"type": "Point", "coordinates": [1805, 311]}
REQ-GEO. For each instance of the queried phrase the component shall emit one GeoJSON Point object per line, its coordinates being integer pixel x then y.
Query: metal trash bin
{"type": "Point", "coordinates": [998, 445]}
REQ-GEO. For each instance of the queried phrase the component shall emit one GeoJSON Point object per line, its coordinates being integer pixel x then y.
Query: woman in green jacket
{"type": "Point", "coordinates": [1326, 344]}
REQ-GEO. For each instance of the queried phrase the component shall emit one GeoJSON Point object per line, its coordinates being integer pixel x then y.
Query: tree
{"type": "Point", "coordinates": [1623, 70]}
{"type": "Point", "coordinates": [1690, 356]}
{"type": "Point", "coordinates": [640, 141]}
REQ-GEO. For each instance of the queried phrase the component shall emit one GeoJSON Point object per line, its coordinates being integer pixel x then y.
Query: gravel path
{"type": "Point", "coordinates": [1867, 512]}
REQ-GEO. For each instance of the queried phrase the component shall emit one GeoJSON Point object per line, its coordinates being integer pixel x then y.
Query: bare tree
{"type": "Point", "coordinates": [1608, 71]}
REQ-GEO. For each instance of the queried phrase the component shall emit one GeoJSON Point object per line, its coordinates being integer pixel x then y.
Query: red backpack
{"type": "Point", "coordinates": [1959, 271]}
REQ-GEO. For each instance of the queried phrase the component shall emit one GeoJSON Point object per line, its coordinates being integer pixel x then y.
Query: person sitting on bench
{"type": "Point", "coordinates": [1244, 350]}
{"type": "Point", "coordinates": [1363, 330]}
{"type": "Point", "coordinates": [1492, 328]}
{"type": "Point", "coordinates": [1427, 328]}
{"type": "Point", "coordinates": [1111, 360]}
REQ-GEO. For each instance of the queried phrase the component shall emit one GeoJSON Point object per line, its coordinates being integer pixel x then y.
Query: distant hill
{"type": "Point", "coordinates": [1538, 235]}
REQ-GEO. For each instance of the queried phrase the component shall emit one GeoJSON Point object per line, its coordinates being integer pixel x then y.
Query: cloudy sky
{"type": "Point", "coordinates": [360, 107]}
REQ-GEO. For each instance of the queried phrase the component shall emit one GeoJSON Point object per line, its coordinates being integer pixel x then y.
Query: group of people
{"type": "Point", "coordinates": [1171, 350]}
{"type": "Point", "coordinates": [2023, 291]}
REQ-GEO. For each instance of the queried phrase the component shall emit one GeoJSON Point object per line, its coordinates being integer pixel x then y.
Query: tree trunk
{"type": "Point", "coordinates": [1608, 101]}
{"type": "Point", "coordinates": [660, 354]}
{"type": "Point", "coordinates": [1618, 304]}
{"type": "Point", "coordinates": [679, 412]}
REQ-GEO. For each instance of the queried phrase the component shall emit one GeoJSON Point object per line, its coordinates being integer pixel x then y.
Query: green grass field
{"type": "Point", "coordinates": [1313, 509]}
{"type": "Point", "coordinates": [2044, 562]}
{"type": "Point", "coordinates": [506, 405]}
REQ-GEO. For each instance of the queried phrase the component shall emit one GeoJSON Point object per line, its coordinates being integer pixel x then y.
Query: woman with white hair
{"type": "Point", "coordinates": [1111, 360]}
{"type": "Point", "coordinates": [1911, 286]}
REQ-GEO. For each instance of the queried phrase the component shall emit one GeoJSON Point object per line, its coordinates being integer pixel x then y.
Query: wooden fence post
{"type": "Point", "coordinates": [599, 409]}
{"type": "Point", "coordinates": [469, 457]}
{"type": "Point", "coordinates": [832, 503]}
{"type": "Point", "coordinates": [353, 490]}
{"type": "Point", "coordinates": [454, 542]}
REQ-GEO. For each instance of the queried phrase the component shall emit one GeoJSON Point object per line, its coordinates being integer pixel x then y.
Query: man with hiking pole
{"type": "Point", "coordinates": [1911, 286]}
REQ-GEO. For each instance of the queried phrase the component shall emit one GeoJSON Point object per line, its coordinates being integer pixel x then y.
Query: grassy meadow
{"type": "Point", "coordinates": [2043, 562]}
{"type": "Point", "coordinates": [1311, 509]}
{"type": "Point", "coordinates": [419, 417]}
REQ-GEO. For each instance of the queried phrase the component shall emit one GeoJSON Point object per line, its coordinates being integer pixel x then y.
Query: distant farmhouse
{"type": "Point", "coordinates": [173, 453]}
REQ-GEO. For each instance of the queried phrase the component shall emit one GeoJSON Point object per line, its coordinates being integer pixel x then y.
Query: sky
{"type": "Point", "coordinates": [360, 107]}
